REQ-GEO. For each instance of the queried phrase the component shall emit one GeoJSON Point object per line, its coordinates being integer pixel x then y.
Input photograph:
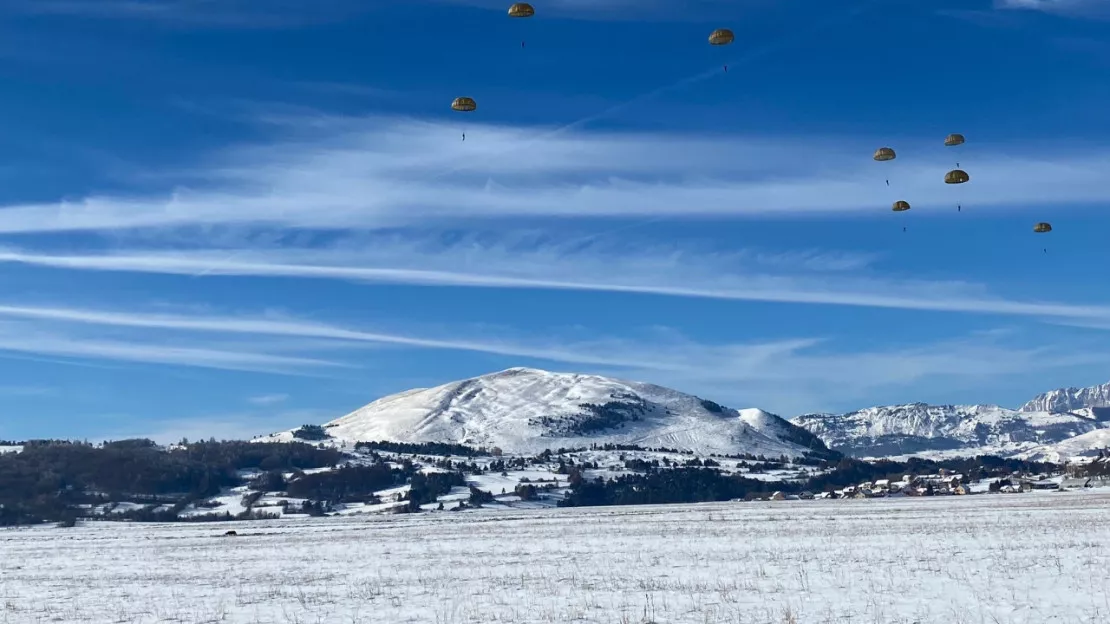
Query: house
{"type": "Point", "coordinates": [882, 484]}
{"type": "Point", "coordinates": [777, 496]}
{"type": "Point", "coordinates": [806, 496]}
{"type": "Point", "coordinates": [1075, 483]}
{"type": "Point", "coordinates": [1041, 484]}
{"type": "Point", "coordinates": [959, 490]}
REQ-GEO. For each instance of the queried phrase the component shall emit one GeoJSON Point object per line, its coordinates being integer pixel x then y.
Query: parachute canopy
{"type": "Point", "coordinates": [1042, 227]}
{"type": "Point", "coordinates": [721, 36]}
{"type": "Point", "coordinates": [521, 9]}
{"type": "Point", "coordinates": [884, 153]}
{"type": "Point", "coordinates": [464, 104]}
{"type": "Point", "coordinates": [900, 206]}
{"type": "Point", "coordinates": [953, 140]}
{"type": "Point", "coordinates": [956, 176]}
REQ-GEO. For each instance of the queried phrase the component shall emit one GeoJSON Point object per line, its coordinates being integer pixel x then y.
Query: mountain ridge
{"type": "Point", "coordinates": [1052, 424]}
{"type": "Point", "coordinates": [527, 410]}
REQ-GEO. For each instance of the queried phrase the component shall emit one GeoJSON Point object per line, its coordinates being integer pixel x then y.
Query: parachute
{"type": "Point", "coordinates": [521, 9]}
{"type": "Point", "coordinates": [464, 104]}
{"type": "Point", "coordinates": [884, 153]}
{"type": "Point", "coordinates": [956, 176]}
{"type": "Point", "coordinates": [900, 206]}
{"type": "Point", "coordinates": [953, 140]}
{"type": "Point", "coordinates": [1041, 228]}
{"type": "Point", "coordinates": [721, 36]}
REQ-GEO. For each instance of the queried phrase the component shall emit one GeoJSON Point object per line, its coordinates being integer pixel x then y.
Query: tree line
{"type": "Point", "coordinates": [696, 484]}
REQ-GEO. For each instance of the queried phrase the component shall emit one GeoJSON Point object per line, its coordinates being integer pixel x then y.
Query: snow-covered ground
{"type": "Point", "coordinates": [1040, 558]}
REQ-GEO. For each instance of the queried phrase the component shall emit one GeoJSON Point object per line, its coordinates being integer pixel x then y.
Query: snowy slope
{"type": "Point", "coordinates": [918, 427]}
{"type": "Point", "coordinates": [1044, 427]}
{"type": "Point", "coordinates": [525, 410]}
{"type": "Point", "coordinates": [1070, 399]}
{"type": "Point", "coordinates": [1087, 445]}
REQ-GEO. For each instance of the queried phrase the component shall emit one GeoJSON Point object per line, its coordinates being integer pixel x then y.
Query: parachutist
{"type": "Point", "coordinates": [464, 136]}
{"type": "Point", "coordinates": [888, 182]}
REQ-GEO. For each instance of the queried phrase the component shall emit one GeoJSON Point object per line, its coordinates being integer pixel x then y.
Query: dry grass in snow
{"type": "Point", "coordinates": [1030, 559]}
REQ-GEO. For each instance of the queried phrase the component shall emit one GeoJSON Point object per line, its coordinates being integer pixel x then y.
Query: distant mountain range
{"type": "Point", "coordinates": [1053, 426]}
{"type": "Point", "coordinates": [526, 410]}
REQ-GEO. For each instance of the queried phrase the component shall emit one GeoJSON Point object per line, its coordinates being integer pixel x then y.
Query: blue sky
{"type": "Point", "coordinates": [232, 218]}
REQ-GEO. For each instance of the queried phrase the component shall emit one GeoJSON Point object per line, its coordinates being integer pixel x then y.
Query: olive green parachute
{"type": "Point", "coordinates": [884, 153]}
{"type": "Point", "coordinates": [521, 9]}
{"type": "Point", "coordinates": [464, 104]}
{"type": "Point", "coordinates": [953, 140]}
{"type": "Point", "coordinates": [721, 36]}
{"type": "Point", "coordinates": [900, 206]}
{"type": "Point", "coordinates": [1042, 227]}
{"type": "Point", "coordinates": [956, 176]}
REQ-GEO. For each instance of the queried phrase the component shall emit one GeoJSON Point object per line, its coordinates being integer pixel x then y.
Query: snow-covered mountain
{"type": "Point", "coordinates": [525, 410]}
{"type": "Point", "coordinates": [1070, 399]}
{"type": "Point", "coordinates": [1057, 424]}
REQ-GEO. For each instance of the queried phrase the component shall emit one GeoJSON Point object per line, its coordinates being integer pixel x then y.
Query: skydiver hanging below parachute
{"type": "Point", "coordinates": [1043, 228]}
{"type": "Point", "coordinates": [720, 37]}
{"type": "Point", "coordinates": [884, 154]}
{"type": "Point", "coordinates": [953, 140]}
{"type": "Point", "coordinates": [464, 105]}
{"type": "Point", "coordinates": [521, 10]}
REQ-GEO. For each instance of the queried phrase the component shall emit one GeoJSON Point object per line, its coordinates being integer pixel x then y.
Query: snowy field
{"type": "Point", "coordinates": [1023, 559]}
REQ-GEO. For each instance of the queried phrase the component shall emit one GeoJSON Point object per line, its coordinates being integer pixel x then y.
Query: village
{"type": "Point", "coordinates": [945, 483]}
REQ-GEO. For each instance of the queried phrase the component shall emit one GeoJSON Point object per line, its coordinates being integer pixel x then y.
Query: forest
{"type": "Point", "coordinates": [59, 481]}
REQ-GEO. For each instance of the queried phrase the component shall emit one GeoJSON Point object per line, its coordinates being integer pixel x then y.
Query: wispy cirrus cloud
{"type": "Point", "coordinates": [1074, 8]}
{"type": "Point", "coordinates": [268, 399]}
{"type": "Point", "coordinates": [30, 338]}
{"type": "Point", "coordinates": [196, 13]}
{"type": "Point", "coordinates": [374, 173]}
{"type": "Point", "coordinates": [813, 278]}
{"type": "Point", "coordinates": [787, 375]}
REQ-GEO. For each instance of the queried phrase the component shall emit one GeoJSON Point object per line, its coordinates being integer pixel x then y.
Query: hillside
{"type": "Point", "coordinates": [525, 410]}
{"type": "Point", "coordinates": [1057, 424]}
